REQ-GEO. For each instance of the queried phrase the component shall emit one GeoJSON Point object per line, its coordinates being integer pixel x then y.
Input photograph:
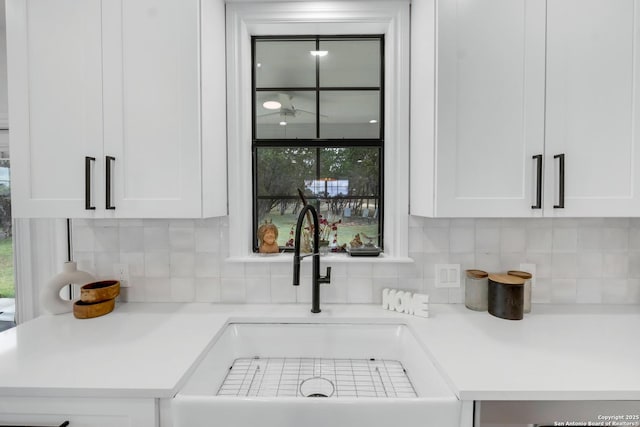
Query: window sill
{"type": "Point", "coordinates": [329, 258]}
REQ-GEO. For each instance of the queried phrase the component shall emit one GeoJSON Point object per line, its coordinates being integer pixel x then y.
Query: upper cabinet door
{"type": "Point", "coordinates": [490, 107]}
{"type": "Point", "coordinates": [593, 78]}
{"type": "Point", "coordinates": [55, 105]}
{"type": "Point", "coordinates": [152, 107]}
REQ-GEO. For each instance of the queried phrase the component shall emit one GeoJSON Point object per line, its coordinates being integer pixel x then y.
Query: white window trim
{"type": "Point", "coordinates": [390, 18]}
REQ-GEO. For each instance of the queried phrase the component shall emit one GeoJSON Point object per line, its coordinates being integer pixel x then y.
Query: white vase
{"type": "Point", "coordinates": [50, 300]}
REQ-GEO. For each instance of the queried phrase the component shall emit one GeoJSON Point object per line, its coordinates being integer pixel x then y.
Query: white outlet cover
{"type": "Point", "coordinates": [121, 273]}
{"type": "Point", "coordinates": [447, 275]}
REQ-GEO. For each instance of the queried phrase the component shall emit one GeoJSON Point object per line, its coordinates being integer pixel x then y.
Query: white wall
{"type": "Point", "coordinates": [595, 260]}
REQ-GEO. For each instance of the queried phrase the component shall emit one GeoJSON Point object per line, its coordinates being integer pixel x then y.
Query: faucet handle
{"type": "Point", "coordinates": [327, 278]}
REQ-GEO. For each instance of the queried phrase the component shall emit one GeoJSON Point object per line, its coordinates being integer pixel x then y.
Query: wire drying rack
{"type": "Point", "coordinates": [284, 377]}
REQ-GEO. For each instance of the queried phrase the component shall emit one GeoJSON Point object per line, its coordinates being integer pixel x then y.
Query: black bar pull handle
{"type": "Point", "coordinates": [538, 159]}
{"type": "Point", "coordinates": [560, 204]}
{"type": "Point", "coordinates": [108, 162]}
{"type": "Point", "coordinates": [87, 183]}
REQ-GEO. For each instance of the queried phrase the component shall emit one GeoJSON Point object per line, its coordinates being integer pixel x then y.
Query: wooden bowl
{"type": "Point", "coordinates": [88, 310]}
{"type": "Point", "coordinates": [100, 291]}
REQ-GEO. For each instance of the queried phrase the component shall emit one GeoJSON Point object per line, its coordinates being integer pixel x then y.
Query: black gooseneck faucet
{"type": "Point", "coordinates": [316, 278]}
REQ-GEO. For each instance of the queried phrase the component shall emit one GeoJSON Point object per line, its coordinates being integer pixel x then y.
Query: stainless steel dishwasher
{"type": "Point", "coordinates": [619, 413]}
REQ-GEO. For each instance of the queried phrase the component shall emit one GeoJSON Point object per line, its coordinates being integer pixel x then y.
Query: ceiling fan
{"type": "Point", "coordinates": [285, 108]}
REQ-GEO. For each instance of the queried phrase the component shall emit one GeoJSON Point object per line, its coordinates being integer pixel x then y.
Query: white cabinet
{"type": "Point", "coordinates": [521, 86]}
{"type": "Point", "coordinates": [79, 412]}
{"type": "Point", "coordinates": [117, 108]}
{"type": "Point", "coordinates": [592, 105]}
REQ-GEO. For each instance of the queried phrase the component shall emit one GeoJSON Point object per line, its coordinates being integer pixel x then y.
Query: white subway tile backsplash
{"type": "Point", "coordinates": [258, 290]}
{"type": "Point", "coordinates": [615, 265]}
{"type": "Point", "coordinates": [83, 239]}
{"type": "Point", "coordinates": [207, 289]}
{"type": "Point", "coordinates": [182, 264]}
{"type": "Point", "coordinates": [157, 264]}
{"type": "Point", "coordinates": [563, 291]}
{"type": "Point", "coordinates": [615, 239]}
{"type": "Point", "coordinates": [487, 239]}
{"type": "Point", "coordinates": [182, 238]}
{"type": "Point", "coordinates": [283, 291]}
{"type": "Point", "coordinates": [589, 291]}
{"type": "Point", "coordinates": [462, 239]}
{"type": "Point", "coordinates": [183, 289]}
{"type": "Point", "coordinates": [513, 239]}
{"type": "Point", "coordinates": [614, 291]}
{"type": "Point", "coordinates": [157, 289]}
{"type": "Point", "coordinates": [207, 265]}
{"type": "Point", "coordinates": [590, 239]}
{"type": "Point", "coordinates": [436, 240]}
{"type": "Point", "coordinates": [564, 265]}
{"type": "Point", "coordinates": [359, 290]}
{"type": "Point", "coordinates": [106, 239]}
{"type": "Point", "coordinates": [589, 265]}
{"type": "Point", "coordinates": [335, 292]}
{"type": "Point", "coordinates": [131, 239]}
{"type": "Point", "coordinates": [539, 239]}
{"type": "Point", "coordinates": [565, 239]}
{"type": "Point", "coordinates": [156, 238]}
{"type": "Point", "coordinates": [233, 290]}
{"type": "Point", "coordinates": [585, 260]}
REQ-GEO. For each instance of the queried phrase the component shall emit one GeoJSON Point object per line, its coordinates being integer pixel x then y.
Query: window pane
{"type": "Point", "coordinates": [350, 63]}
{"type": "Point", "coordinates": [281, 171]}
{"type": "Point", "coordinates": [348, 114]}
{"type": "Point", "coordinates": [345, 219]}
{"type": "Point", "coordinates": [294, 118]}
{"type": "Point", "coordinates": [350, 171]}
{"type": "Point", "coordinates": [285, 63]}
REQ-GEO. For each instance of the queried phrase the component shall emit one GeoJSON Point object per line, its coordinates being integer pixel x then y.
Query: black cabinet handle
{"type": "Point", "coordinates": [64, 424]}
{"type": "Point", "coordinates": [538, 159]}
{"type": "Point", "coordinates": [108, 162]}
{"type": "Point", "coordinates": [560, 204]}
{"type": "Point", "coordinates": [87, 183]}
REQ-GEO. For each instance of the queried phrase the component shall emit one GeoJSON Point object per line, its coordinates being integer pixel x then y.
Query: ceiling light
{"type": "Point", "coordinates": [318, 52]}
{"type": "Point", "coordinates": [258, 65]}
{"type": "Point", "coordinates": [373, 121]}
{"type": "Point", "coordinates": [283, 123]}
{"type": "Point", "coordinates": [272, 105]}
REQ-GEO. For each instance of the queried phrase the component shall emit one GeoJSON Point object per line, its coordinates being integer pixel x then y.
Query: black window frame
{"type": "Point", "coordinates": [318, 143]}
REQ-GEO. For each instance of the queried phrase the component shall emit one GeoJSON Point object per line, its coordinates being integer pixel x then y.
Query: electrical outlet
{"type": "Point", "coordinates": [121, 271]}
{"type": "Point", "coordinates": [447, 275]}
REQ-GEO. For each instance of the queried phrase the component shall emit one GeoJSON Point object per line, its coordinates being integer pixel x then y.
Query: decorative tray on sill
{"type": "Point", "coordinates": [365, 251]}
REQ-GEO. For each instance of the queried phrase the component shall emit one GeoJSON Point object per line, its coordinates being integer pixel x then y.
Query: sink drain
{"type": "Point", "coordinates": [317, 387]}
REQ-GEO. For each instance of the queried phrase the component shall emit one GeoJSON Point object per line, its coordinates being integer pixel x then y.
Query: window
{"type": "Point", "coordinates": [318, 126]}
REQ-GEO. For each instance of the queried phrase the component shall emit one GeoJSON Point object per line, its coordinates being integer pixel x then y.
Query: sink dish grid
{"type": "Point", "coordinates": [282, 377]}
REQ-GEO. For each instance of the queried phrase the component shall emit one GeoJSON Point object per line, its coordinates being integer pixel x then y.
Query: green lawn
{"type": "Point", "coordinates": [7, 287]}
{"type": "Point", "coordinates": [346, 230]}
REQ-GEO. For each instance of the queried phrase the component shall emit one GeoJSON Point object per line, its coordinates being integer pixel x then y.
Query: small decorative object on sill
{"type": "Point", "coordinates": [476, 290]}
{"type": "Point", "coordinates": [323, 247]}
{"type": "Point", "coordinates": [506, 296]}
{"type": "Point", "coordinates": [527, 287]}
{"type": "Point", "coordinates": [365, 251]}
{"type": "Point", "coordinates": [268, 238]}
{"type": "Point", "coordinates": [50, 300]}
{"type": "Point", "coordinates": [356, 242]}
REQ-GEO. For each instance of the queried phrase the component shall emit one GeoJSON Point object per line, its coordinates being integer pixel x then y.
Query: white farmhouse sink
{"type": "Point", "coordinates": [357, 374]}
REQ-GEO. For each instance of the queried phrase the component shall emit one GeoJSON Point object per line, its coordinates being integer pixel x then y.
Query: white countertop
{"type": "Point", "coordinates": [147, 350]}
